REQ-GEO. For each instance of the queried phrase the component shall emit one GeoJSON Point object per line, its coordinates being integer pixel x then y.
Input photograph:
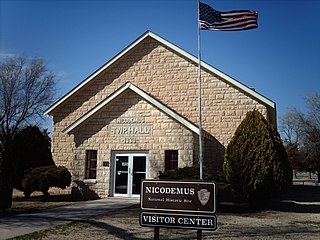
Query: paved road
{"type": "Point", "coordinates": [21, 224]}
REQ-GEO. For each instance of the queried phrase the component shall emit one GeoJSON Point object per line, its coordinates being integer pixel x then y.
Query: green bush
{"type": "Point", "coordinates": [192, 173]}
{"type": "Point", "coordinates": [42, 178]}
{"type": "Point", "coordinates": [256, 163]}
{"type": "Point", "coordinates": [186, 173]}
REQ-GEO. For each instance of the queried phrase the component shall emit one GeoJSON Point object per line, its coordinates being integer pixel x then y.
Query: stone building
{"type": "Point", "coordinates": [138, 115]}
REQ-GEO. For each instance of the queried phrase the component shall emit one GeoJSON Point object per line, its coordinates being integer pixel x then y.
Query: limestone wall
{"type": "Point", "coordinates": [172, 80]}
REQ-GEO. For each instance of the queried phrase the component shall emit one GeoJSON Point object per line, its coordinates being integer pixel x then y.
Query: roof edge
{"type": "Point", "coordinates": [177, 49]}
{"type": "Point", "coordinates": [214, 70]}
{"type": "Point", "coordinates": [142, 94]}
{"type": "Point", "coordinates": [97, 72]}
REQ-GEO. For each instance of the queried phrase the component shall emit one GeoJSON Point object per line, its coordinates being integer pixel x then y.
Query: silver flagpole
{"type": "Point", "coordinates": [199, 97]}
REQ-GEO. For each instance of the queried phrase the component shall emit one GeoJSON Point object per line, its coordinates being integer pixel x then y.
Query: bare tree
{"type": "Point", "coordinates": [290, 126]}
{"type": "Point", "coordinates": [311, 136]}
{"type": "Point", "coordinates": [26, 89]}
{"type": "Point", "coordinates": [302, 135]}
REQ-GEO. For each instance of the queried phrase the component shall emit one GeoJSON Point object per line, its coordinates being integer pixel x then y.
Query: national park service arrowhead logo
{"type": "Point", "coordinates": [204, 196]}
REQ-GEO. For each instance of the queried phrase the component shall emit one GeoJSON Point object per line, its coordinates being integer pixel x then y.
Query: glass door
{"type": "Point", "coordinates": [139, 173]}
{"type": "Point", "coordinates": [129, 170]}
{"type": "Point", "coordinates": [121, 171]}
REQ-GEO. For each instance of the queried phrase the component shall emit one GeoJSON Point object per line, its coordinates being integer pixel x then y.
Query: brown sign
{"type": "Point", "coordinates": [174, 220]}
{"type": "Point", "coordinates": [178, 196]}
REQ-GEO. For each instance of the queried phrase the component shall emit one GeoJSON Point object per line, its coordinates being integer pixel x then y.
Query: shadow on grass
{"type": "Point", "coordinates": [38, 203]}
{"type": "Point", "coordinates": [113, 230]}
{"type": "Point", "coordinates": [299, 199]}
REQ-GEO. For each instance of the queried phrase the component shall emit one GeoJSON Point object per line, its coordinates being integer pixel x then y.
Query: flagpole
{"type": "Point", "coordinates": [222, 21]}
{"type": "Point", "coordinates": [199, 97]}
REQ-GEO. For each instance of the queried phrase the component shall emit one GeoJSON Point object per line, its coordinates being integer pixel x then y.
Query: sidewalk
{"type": "Point", "coordinates": [21, 224]}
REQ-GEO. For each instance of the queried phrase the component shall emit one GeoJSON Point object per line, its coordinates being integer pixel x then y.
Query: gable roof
{"type": "Point", "coordinates": [187, 55]}
{"type": "Point", "coordinates": [189, 125]}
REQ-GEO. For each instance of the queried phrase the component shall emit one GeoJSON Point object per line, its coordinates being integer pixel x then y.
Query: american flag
{"type": "Point", "coordinates": [211, 19]}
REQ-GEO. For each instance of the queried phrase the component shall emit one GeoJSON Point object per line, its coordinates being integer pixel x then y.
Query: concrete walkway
{"type": "Point", "coordinates": [21, 224]}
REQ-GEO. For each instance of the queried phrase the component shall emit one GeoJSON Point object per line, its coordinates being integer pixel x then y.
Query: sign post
{"type": "Point", "coordinates": [178, 204]}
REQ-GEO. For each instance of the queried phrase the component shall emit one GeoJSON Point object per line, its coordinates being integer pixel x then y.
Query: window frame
{"type": "Point", "coordinates": [170, 163]}
{"type": "Point", "coordinates": [91, 164]}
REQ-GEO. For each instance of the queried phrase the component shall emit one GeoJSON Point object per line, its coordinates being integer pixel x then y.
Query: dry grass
{"type": "Point", "coordinates": [295, 216]}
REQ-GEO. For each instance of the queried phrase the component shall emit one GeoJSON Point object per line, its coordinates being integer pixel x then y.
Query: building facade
{"type": "Point", "coordinates": [138, 115]}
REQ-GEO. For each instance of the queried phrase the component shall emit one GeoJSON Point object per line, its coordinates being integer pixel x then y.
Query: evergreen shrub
{"type": "Point", "coordinates": [256, 162]}
{"type": "Point", "coordinates": [29, 148]}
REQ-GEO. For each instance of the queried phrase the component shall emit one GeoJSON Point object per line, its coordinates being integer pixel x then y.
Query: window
{"type": "Point", "coordinates": [171, 159]}
{"type": "Point", "coordinates": [91, 164]}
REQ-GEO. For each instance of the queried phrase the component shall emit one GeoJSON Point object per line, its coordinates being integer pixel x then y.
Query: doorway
{"type": "Point", "coordinates": [129, 170]}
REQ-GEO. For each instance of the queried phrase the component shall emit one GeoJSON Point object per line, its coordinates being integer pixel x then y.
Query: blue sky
{"type": "Point", "coordinates": [281, 58]}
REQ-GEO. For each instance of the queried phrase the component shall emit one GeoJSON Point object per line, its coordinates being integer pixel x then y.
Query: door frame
{"type": "Point", "coordinates": [130, 155]}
